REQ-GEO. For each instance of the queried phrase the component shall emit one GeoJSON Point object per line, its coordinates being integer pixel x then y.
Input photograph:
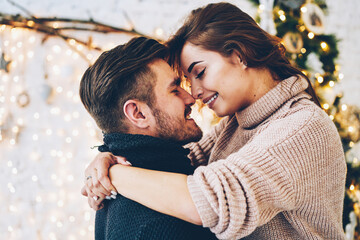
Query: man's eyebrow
{"type": "Point", "coordinates": [192, 66]}
{"type": "Point", "coordinates": [176, 82]}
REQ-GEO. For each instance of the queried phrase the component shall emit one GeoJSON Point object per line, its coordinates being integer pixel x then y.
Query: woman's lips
{"type": "Point", "coordinates": [210, 100]}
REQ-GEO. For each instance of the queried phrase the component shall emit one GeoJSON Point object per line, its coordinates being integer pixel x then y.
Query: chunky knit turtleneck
{"type": "Point", "coordinates": [276, 170]}
{"type": "Point", "coordinates": [148, 152]}
{"type": "Point", "coordinates": [125, 219]}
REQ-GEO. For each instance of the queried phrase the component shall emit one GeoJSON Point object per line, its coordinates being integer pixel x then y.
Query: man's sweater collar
{"type": "Point", "coordinates": [271, 101]}
{"type": "Point", "coordinates": [148, 152]}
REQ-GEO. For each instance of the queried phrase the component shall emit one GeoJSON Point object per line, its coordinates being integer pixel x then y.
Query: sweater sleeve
{"type": "Point", "coordinates": [200, 151]}
{"type": "Point", "coordinates": [280, 170]}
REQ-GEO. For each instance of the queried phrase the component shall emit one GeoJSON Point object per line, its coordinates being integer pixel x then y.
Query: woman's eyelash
{"type": "Point", "coordinates": [201, 73]}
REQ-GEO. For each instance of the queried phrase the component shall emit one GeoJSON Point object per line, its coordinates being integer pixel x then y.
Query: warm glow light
{"type": "Point", "coordinates": [282, 18]}
{"type": "Point", "coordinates": [326, 106]}
{"type": "Point", "coordinates": [331, 83]}
{"type": "Point", "coordinates": [311, 35]}
{"type": "Point", "coordinates": [303, 9]}
{"type": "Point", "coordinates": [331, 117]}
{"type": "Point", "coordinates": [324, 46]}
{"type": "Point", "coordinates": [320, 79]}
{"type": "Point", "coordinates": [30, 23]}
{"type": "Point", "coordinates": [350, 129]}
{"type": "Point", "coordinates": [56, 48]}
{"type": "Point", "coordinates": [72, 42]}
{"type": "Point", "coordinates": [344, 107]}
{"type": "Point", "coordinates": [303, 50]}
{"type": "Point", "coordinates": [352, 187]}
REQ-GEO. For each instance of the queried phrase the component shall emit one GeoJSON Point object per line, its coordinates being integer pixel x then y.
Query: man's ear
{"type": "Point", "coordinates": [138, 113]}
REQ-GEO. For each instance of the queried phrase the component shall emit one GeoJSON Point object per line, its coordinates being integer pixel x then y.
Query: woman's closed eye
{"type": "Point", "coordinates": [200, 74]}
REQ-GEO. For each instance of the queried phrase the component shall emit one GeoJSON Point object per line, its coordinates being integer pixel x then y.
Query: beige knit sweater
{"type": "Point", "coordinates": [276, 170]}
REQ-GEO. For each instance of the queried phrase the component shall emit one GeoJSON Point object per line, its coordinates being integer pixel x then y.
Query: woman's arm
{"type": "Point", "coordinates": [200, 151]}
{"type": "Point", "coordinates": [161, 191]}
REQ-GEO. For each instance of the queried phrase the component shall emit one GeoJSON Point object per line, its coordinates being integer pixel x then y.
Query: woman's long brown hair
{"type": "Point", "coordinates": [223, 27]}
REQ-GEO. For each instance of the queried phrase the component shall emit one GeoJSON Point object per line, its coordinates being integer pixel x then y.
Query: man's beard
{"type": "Point", "coordinates": [172, 128]}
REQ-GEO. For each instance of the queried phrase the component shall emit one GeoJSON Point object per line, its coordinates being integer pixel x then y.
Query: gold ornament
{"type": "Point", "coordinates": [293, 42]}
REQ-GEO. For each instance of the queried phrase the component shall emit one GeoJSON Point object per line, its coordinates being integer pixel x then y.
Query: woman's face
{"type": "Point", "coordinates": [220, 82]}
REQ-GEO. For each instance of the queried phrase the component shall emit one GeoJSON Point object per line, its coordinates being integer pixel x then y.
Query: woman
{"type": "Point", "coordinates": [275, 167]}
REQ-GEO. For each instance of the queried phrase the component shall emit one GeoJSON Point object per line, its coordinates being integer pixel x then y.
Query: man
{"type": "Point", "coordinates": [136, 100]}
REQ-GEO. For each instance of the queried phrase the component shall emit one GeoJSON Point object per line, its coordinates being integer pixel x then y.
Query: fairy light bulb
{"type": "Point", "coordinates": [30, 23]}
{"type": "Point", "coordinates": [326, 106]}
{"type": "Point", "coordinates": [331, 83]}
{"type": "Point", "coordinates": [34, 178]}
{"type": "Point", "coordinates": [320, 79]}
{"type": "Point", "coordinates": [282, 18]}
{"type": "Point", "coordinates": [351, 129]}
{"type": "Point", "coordinates": [352, 187]}
{"type": "Point", "coordinates": [72, 42]}
{"type": "Point", "coordinates": [324, 46]}
{"type": "Point", "coordinates": [344, 107]}
{"type": "Point", "coordinates": [56, 49]}
{"type": "Point", "coordinates": [311, 35]}
{"type": "Point", "coordinates": [79, 47]}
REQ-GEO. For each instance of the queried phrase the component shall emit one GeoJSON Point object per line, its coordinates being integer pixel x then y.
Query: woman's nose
{"type": "Point", "coordinates": [197, 92]}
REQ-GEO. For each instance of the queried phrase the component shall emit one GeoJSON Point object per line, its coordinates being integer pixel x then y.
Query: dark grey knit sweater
{"type": "Point", "coordinates": [125, 219]}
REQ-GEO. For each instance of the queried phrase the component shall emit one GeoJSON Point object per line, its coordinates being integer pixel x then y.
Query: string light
{"type": "Point", "coordinates": [331, 83]}
{"type": "Point", "coordinates": [324, 46]}
{"type": "Point", "coordinates": [320, 79]}
{"type": "Point", "coordinates": [311, 35]}
{"type": "Point", "coordinates": [344, 107]}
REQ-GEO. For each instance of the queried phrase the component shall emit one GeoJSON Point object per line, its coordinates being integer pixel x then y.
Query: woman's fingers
{"type": "Point", "coordinates": [122, 160]}
{"type": "Point", "coordinates": [96, 185]}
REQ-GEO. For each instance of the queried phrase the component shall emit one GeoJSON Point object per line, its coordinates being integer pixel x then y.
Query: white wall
{"type": "Point", "coordinates": [42, 173]}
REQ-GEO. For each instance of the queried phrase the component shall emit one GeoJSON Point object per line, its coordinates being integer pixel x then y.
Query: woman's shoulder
{"type": "Point", "coordinates": [300, 118]}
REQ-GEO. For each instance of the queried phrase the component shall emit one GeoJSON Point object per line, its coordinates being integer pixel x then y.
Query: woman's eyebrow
{"type": "Point", "coordinates": [192, 66]}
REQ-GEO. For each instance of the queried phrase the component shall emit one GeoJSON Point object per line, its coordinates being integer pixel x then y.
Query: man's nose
{"type": "Point", "coordinates": [187, 98]}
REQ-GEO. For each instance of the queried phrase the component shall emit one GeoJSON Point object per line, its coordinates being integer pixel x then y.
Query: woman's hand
{"type": "Point", "coordinates": [97, 183]}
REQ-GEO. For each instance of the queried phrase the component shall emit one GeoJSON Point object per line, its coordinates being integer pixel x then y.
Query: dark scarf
{"type": "Point", "coordinates": [148, 152]}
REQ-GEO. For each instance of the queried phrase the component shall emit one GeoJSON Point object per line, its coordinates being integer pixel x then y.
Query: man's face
{"type": "Point", "coordinates": [172, 108]}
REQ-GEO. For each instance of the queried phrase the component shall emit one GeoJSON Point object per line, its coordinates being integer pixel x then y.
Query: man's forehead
{"type": "Point", "coordinates": [165, 75]}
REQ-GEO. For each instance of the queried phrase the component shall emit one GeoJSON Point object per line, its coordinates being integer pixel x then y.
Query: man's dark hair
{"type": "Point", "coordinates": [118, 75]}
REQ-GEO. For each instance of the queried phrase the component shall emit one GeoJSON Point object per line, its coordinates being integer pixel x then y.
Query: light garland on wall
{"type": "Point", "coordinates": [36, 120]}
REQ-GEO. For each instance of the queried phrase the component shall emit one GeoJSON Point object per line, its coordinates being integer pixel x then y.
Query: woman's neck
{"type": "Point", "coordinates": [263, 82]}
